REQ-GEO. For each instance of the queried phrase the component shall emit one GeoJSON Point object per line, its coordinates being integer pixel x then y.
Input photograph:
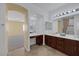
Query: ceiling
{"type": "Point", "coordinates": [36, 7]}
{"type": "Point", "coordinates": [46, 7]}
{"type": "Point", "coordinates": [41, 8]}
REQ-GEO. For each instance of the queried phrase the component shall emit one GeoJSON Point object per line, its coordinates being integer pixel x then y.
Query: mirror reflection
{"type": "Point", "coordinates": [66, 26]}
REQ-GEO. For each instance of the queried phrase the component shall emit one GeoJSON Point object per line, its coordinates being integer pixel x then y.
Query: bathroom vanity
{"type": "Point", "coordinates": [38, 39]}
{"type": "Point", "coordinates": [66, 44]}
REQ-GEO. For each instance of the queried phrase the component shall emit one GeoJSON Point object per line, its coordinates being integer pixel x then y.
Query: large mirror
{"type": "Point", "coordinates": [66, 26]}
{"type": "Point", "coordinates": [76, 24]}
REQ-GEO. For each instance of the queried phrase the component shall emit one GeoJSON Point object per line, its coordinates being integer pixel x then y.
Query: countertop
{"type": "Point", "coordinates": [72, 37]}
{"type": "Point", "coordinates": [35, 34]}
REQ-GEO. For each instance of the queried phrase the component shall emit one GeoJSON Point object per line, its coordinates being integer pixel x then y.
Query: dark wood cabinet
{"type": "Point", "coordinates": [50, 41]}
{"type": "Point", "coordinates": [60, 45]}
{"type": "Point", "coordinates": [54, 42]}
{"type": "Point", "coordinates": [67, 46]}
{"type": "Point", "coordinates": [77, 44]}
{"type": "Point", "coordinates": [39, 40]}
{"type": "Point", "coordinates": [70, 47]}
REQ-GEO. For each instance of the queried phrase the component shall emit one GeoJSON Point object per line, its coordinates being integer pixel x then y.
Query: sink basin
{"type": "Point", "coordinates": [62, 34]}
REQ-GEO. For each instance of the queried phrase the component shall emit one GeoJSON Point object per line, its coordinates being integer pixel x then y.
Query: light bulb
{"type": "Point", "coordinates": [73, 10]}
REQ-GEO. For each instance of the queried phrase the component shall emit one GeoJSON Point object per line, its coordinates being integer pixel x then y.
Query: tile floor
{"type": "Point", "coordinates": [37, 51]}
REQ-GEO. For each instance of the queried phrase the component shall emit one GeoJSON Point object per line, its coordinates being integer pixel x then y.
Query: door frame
{"type": "Point", "coordinates": [26, 22]}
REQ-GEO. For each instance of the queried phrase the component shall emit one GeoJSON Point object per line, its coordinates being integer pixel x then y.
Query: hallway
{"type": "Point", "coordinates": [37, 51]}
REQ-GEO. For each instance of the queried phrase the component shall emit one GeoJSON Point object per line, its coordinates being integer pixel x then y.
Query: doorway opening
{"type": "Point", "coordinates": [17, 27]}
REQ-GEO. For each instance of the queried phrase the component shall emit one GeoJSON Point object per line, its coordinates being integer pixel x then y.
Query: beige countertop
{"type": "Point", "coordinates": [35, 34]}
{"type": "Point", "coordinates": [72, 37]}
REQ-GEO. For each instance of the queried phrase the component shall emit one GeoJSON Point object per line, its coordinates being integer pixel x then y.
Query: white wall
{"type": "Point", "coordinates": [37, 21]}
{"type": "Point", "coordinates": [3, 38]}
{"type": "Point", "coordinates": [39, 24]}
{"type": "Point", "coordinates": [47, 19]}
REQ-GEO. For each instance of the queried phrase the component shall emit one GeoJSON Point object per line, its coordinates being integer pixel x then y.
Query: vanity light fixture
{"type": "Point", "coordinates": [68, 12]}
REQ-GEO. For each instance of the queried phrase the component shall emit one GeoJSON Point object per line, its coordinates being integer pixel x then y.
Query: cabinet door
{"type": "Point", "coordinates": [54, 42]}
{"type": "Point", "coordinates": [39, 40]}
{"type": "Point", "coordinates": [69, 47]}
{"type": "Point", "coordinates": [48, 40]}
{"type": "Point", "coordinates": [77, 51]}
{"type": "Point", "coordinates": [60, 44]}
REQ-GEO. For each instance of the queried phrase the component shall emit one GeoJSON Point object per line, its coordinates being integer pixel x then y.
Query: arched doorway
{"type": "Point", "coordinates": [15, 29]}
